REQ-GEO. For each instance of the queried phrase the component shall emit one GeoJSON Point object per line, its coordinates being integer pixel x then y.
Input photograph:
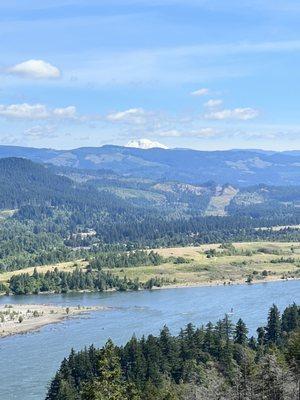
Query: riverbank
{"type": "Point", "coordinates": [179, 285]}
{"type": "Point", "coordinates": [240, 282]}
{"type": "Point", "coordinates": [205, 265]}
{"type": "Point", "coordinates": [24, 318]}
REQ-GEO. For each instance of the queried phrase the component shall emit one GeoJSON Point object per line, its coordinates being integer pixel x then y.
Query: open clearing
{"type": "Point", "coordinates": [261, 260]}
{"type": "Point", "coordinates": [208, 264]}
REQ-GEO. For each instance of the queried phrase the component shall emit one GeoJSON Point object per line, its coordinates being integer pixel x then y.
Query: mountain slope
{"type": "Point", "coordinates": [23, 182]}
{"type": "Point", "coordinates": [237, 167]}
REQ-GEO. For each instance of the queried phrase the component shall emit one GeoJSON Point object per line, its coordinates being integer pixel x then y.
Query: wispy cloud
{"type": "Point", "coordinates": [132, 115]}
{"type": "Point", "coordinates": [243, 114]}
{"type": "Point", "coordinates": [200, 92]}
{"type": "Point", "coordinates": [212, 103]}
{"type": "Point", "coordinates": [185, 133]}
{"type": "Point", "coordinates": [169, 65]}
{"type": "Point", "coordinates": [163, 65]}
{"type": "Point", "coordinates": [40, 131]}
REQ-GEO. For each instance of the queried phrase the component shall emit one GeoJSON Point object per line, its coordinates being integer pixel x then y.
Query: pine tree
{"type": "Point", "coordinates": [110, 384]}
{"type": "Point", "coordinates": [273, 329]}
{"type": "Point", "coordinates": [290, 318]}
{"type": "Point", "coordinates": [240, 333]}
{"type": "Point", "coordinates": [66, 391]}
{"type": "Point", "coordinates": [261, 336]}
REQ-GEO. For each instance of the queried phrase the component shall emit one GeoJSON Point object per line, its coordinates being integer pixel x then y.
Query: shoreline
{"type": "Point", "coordinates": [268, 279]}
{"type": "Point", "coordinates": [221, 283]}
{"type": "Point", "coordinates": [36, 316]}
{"type": "Point", "coordinates": [16, 319]}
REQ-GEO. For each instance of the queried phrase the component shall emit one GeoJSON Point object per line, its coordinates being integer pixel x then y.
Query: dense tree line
{"type": "Point", "coordinates": [207, 363]}
{"type": "Point", "coordinates": [63, 282]}
{"type": "Point", "coordinates": [124, 260]}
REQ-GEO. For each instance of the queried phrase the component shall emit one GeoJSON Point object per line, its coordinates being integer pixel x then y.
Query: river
{"type": "Point", "coordinates": [27, 362]}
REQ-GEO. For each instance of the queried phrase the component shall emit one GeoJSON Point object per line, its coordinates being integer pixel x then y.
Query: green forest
{"type": "Point", "coordinates": [78, 280]}
{"type": "Point", "coordinates": [212, 362]}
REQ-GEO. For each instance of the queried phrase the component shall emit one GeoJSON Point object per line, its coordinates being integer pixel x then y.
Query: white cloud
{"type": "Point", "coordinates": [243, 114]}
{"type": "Point", "coordinates": [170, 133]}
{"type": "Point", "coordinates": [200, 92]}
{"type": "Point", "coordinates": [24, 111]}
{"type": "Point", "coordinates": [133, 115]}
{"type": "Point", "coordinates": [36, 69]}
{"type": "Point", "coordinates": [66, 112]}
{"type": "Point", "coordinates": [213, 103]}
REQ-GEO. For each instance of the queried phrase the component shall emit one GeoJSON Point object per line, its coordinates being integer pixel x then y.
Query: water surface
{"type": "Point", "coordinates": [27, 362]}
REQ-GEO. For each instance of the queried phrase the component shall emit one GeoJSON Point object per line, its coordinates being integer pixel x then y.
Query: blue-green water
{"type": "Point", "coordinates": [27, 362]}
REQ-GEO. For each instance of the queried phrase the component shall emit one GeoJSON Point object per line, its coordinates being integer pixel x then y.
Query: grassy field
{"type": "Point", "coordinates": [248, 259]}
{"type": "Point", "coordinates": [209, 264]}
{"type": "Point", "coordinates": [65, 266]}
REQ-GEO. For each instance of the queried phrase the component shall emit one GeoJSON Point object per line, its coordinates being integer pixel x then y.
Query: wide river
{"type": "Point", "coordinates": [27, 362]}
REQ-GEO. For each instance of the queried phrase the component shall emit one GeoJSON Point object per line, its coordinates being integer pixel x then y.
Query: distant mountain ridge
{"type": "Point", "coordinates": [26, 183]}
{"type": "Point", "coordinates": [238, 167]}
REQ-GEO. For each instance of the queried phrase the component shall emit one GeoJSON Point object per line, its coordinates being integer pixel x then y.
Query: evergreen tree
{"type": "Point", "coordinates": [290, 318]}
{"type": "Point", "coordinates": [240, 333]}
{"type": "Point", "coordinates": [109, 385]}
{"type": "Point", "coordinates": [273, 329]}
{"type": "Point", "coordinates": [204, 363]}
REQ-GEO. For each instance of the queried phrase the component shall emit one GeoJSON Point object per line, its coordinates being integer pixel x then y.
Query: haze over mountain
{"type": "Point", "coordinates": [238, 167]}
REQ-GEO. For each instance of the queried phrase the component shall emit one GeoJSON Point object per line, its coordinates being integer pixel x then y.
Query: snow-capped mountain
{"type": "Point", "coordinates": [145, 144]}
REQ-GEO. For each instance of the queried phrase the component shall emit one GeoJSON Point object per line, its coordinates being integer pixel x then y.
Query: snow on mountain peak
{"type": "Point", "coordinates": [145, 144]}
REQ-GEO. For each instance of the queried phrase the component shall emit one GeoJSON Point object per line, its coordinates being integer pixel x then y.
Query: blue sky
{"type": "Point", "coordinates": [213, 74]}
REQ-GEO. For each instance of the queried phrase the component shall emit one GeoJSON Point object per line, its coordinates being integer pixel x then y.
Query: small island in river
{"type": "Point", "coordinates": [23, 318]}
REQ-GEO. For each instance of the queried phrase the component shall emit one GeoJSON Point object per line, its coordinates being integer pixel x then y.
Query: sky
{"type": "Point", "coordinates": [202, 74]}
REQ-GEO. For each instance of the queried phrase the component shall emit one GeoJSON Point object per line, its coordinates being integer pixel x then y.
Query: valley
{"type": "Point", "coordinates": [149, 200]}
{"type": "Point", "coordinates": [61, 216]}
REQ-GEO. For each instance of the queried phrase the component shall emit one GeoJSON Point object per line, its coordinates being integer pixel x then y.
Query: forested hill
{"type": "Point", "coordinates": [23, 182]}
{"type": "Point", "coordinates": [238, 167]}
